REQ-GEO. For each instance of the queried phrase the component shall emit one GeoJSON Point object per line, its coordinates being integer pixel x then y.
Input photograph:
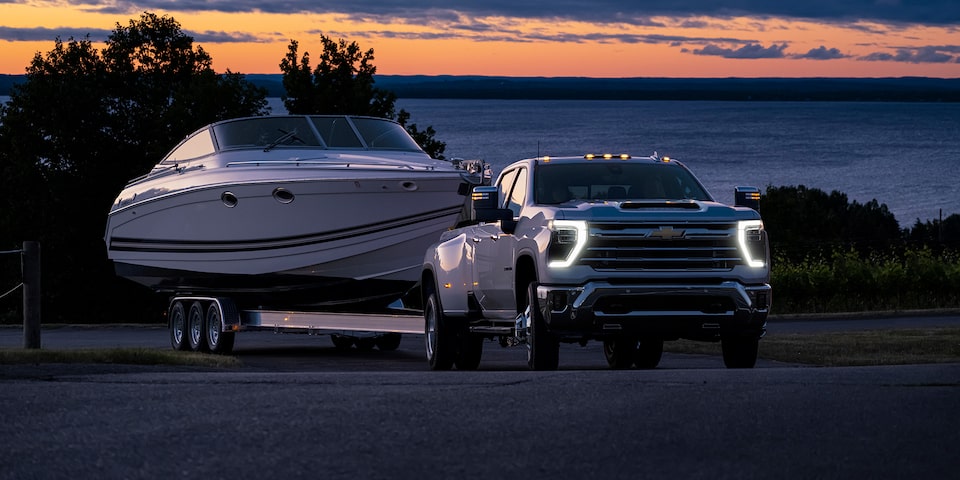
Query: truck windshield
{"type": "Point", "coordinates": [562, 182]}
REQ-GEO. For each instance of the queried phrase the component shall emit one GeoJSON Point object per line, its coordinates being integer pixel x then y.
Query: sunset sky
{"type": "Point", "coordinates": [550, 38]}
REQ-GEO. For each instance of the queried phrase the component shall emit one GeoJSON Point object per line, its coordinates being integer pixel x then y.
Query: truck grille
{"type": "Point", "coordinates": [659, 246]}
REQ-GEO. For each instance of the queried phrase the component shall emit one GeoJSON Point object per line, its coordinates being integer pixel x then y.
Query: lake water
{"type": "Point", "coordinates": [905, 155]}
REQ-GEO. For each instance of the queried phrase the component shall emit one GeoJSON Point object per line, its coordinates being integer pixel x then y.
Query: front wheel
{"type": "Point", "coordinates": [648, 354]}
{"type": "Point", "coordinates": [620, 352]}
{"type": "Point", "coordinates": [543, 348]}
{"type": "Point", "coordinates": [440, 338]}
{"type": "Point", "coordinates": [739, 352]}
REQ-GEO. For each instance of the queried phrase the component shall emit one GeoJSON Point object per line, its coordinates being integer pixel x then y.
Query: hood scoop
{"type": "Point", "coordinates": [661, 204]}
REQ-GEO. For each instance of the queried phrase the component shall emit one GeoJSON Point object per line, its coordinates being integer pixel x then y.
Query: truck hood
{"type": "Point", "coordinates": [653, 210]}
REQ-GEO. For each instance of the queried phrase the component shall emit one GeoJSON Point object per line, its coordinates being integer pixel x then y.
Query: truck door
{"type": "Point", "coordinates": [495, 251]}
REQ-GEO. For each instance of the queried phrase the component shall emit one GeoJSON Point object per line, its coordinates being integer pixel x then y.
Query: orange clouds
{"type": "Point", "coordinates": [691, 46]}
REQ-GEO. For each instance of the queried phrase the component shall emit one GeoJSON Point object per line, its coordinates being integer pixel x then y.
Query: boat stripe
{"type": "Point", "coordinates": [123, 244]}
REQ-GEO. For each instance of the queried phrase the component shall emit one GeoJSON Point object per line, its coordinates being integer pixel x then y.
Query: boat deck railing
{"type": "Point", "coordinates": [333, 165]}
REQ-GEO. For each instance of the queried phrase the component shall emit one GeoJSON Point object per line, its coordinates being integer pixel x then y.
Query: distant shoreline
{"type": "Point", "coordinates": [902, 89]}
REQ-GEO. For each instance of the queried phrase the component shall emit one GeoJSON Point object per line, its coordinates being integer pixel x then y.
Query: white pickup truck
{"type": "Point", "coordinates": [625, 250]}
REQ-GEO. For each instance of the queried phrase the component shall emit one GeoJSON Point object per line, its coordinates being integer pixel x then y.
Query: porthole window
{"type": "Point", "coordinates": [229, 199]}
{"type": "Point", "coordinates": [283, 195]}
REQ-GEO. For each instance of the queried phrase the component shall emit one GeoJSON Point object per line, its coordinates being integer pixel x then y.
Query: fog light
{"type": "Point", "coordinates": [761, 300]}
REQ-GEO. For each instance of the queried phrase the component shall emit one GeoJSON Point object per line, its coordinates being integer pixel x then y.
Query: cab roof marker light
{"type": "Point", "coordinates": [742, 228]}
{"type": "Point", "coordinates": [589, 156]}
{"type": "Point", "coordinates": [581, 228]}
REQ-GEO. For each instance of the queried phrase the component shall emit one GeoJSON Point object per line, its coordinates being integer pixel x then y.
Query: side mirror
{"type": "Point", "coordinates": [747, 197]}
{"type": "Point", "coordinates": [485, 208]}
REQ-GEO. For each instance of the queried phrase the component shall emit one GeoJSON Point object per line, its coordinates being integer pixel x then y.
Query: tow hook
{"type": "Point", "coordinates": [520, 330]}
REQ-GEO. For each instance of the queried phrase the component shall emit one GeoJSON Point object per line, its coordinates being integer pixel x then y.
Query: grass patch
{"type": "Point", "coordinates": [118, 356]}
{"type": "Point", "coordinates": [872, 347]}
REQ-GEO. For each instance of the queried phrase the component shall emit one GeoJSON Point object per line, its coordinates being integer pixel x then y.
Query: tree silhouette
{"type": "Point", "coordinates": [342, 83]}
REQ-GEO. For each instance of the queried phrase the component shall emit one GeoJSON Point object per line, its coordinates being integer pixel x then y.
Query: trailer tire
{"type": "Point", "coordinates": [440, 338]}
{"type": "Point", "coordinates": [543, 348]}
{"type": "Point", "coordinates": [178, 327]}
{"type": "Point", "coordinates": [218, 341]}
{"type": "Point", "coordinates": [195, 327]}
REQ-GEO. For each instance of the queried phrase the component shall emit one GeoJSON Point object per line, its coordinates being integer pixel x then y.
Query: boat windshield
{"type": "Point", "coordinates": [558, 183]}
{"type": "Point", "coordinates": [265, 132]}
{"type": "Point", "coordinates": [271, 132]}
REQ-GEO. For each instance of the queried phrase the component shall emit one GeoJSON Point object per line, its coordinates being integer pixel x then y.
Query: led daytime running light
{"type": "Point", "coordinates": [742, 228]}
{"type": "Point", "coordinates": [578, 226]}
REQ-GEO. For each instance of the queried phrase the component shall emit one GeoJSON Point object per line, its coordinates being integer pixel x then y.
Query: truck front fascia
{"type": "Point", "coordinates": [599, 309]}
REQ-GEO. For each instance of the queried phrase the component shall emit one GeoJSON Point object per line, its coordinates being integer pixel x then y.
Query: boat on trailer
{"type": "Point", "coordinates": [309, 212]}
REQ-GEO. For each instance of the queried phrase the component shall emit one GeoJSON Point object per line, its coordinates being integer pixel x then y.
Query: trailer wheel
{"type": "Point", "coordinates": [217, 341]}
{"type": "Point", "coordinates": [178, 327]}
{"type": "Point", "coordinates": [543, 348]}
{"type": "Point", "coordinates": [648, 353]}
{"type": "Point", "coordinates": [620, 352]}
{"type": "Point", "coordinates": [440, 338]}
{"type": "Point", "coordinates": [389, 342]}
{"type": "Point", "coordinates": [195, 330]}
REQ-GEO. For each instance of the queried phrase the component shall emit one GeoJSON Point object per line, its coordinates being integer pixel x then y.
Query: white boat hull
{"type": "Point", "coordinates": [335, 229]}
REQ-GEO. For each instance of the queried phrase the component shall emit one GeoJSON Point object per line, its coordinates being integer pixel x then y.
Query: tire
{"type": "Point", "coordinates": [195, 328]}
{"type": "Point", "coordinates": [178, 327]}
{"type": "Point", "coordinates": [470, 351]}
{"type": "Point", "coordinates": [620, 352]}
{"type": "Point", "coordinates": [218, 341]}
{"type": "Point", "coordinates": [389, 342]}
{"type": "Point", "coordinates": [440, 338]}
{"type": "Point", "coordinates": [739, 352]}
{"type": "Point", "coordinates": [341, 342]}
{"type": "Point", "coordinates": [543, 348]}
{"type": "Point", "coordinates": [648, 354]}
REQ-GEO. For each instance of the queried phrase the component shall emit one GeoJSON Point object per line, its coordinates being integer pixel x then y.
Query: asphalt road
{"type": "Point", "coordinates": [328, 413]}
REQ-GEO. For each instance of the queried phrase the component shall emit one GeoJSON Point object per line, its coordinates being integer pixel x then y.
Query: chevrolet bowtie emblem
{"type": "Point", "coordinates": [667, 233]}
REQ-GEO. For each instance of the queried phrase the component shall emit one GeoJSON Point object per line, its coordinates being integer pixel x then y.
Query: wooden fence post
{"type": "Point", "coordinates": [31, 294]}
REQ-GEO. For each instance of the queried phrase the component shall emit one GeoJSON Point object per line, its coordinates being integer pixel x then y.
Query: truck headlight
{"type": "Point", "coordinates": [753, 242]}
{"type": "Point", "coordinates": [566, 241]}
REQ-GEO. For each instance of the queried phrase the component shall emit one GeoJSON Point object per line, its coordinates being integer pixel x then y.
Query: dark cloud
{"type": "Point", "coordinates": [929, 54]}
{"type": "Point", "coordinates": [822, 53]}
{"type": "Point", "coordinates": [749, 51]}
{"type": "Point", "coordinates": [933, 12]}
{"type": "Point", "coordinates": [40, 34]}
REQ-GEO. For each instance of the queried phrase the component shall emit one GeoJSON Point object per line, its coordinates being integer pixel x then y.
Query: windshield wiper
{"type": "Point", "coordinates": [282, 138]}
